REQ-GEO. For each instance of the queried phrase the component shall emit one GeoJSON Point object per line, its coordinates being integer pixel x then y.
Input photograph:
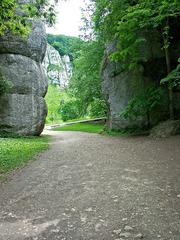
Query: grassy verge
{"type": "Point", "coordinates": [72, 120]}
{"type": "Point", "coordinates": [16, 152]}
{"type": "Point", "coordinates": [99, 128]}
{"type": "Point", "coordinates": [82, 127]}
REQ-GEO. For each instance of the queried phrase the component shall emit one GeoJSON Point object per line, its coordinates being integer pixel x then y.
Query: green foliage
{"type": "Point", "coordinates": [128, 20]}
{"type": "Point", "coordinates": [15, 17]}
{"type": "Point", "coordinates": [143, 104]}
{"type": "Point", "coordinates": [9, 20]}
{"type": "Point", "coordinates": [97, 108]}
{"type": "Point", "coordinates": [15, 152]}
{"type": "Point", "coordinates": [43, 9]}
{"type": "Point", "coordinates": [173, 78]}
{"type": "Point", "coordinates": [132, 24]}
{"type": "Point", "coordinates": [82, 127]}
{"type": "Point", "coordinates": [85, 84]}
{"type": "Point", "coordinates": [54, 67]}
{"type": "Point", "coordinates": [5, 85]}
{"type": "Point", "coordinates": [53, 99]}
{"type": "Point", "coordinates": [61, 105]}
{"type": "Point", "coordinates": [84, 90]}
{"type": "Point", "coordinates": [65, 45]}
{"type": "Point", "coordinates": [70, 110]}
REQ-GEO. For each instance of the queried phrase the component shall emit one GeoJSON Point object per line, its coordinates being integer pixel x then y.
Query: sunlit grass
{"type": "Point", "coordinates": [16, 152]}
{"type": "Point", "coordinates": [82, 127]}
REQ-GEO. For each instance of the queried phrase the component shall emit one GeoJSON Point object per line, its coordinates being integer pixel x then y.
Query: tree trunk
{"type": "Point", "coordinates": [171, 107]}
{"type": "Point", "coordinates": [168, 65]}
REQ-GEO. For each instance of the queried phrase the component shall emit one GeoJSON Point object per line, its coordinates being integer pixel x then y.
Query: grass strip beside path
{"type": "Point", "coordinates": [82, 127]}
{"type": "Point", "coordinates": [16, 152]}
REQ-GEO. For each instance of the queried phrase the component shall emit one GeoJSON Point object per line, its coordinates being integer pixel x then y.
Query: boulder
{"type": "Point", "coordinates": [118, 88]}
{"type": "Point", "coordinates": [23, 114]}
{"type": "Point", "coordinates": [23, 110]}
{"type": "Point", "coordinates": [26, 75]}
{"type": "Point", "coordinates": [32, 46]}
{"type": "Point", "coordinates": [166, 129]}
{"type": "Point", "coordinates": [120, 85]}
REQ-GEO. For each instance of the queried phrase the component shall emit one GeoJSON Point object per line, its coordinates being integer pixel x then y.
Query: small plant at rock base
{"type": "Point", "coordinates": [143, 104]}
{"type": "Point", "coordinates": [70, 110]}
{"type": "Point", "coordinates": [97, 108]}
{"type": "Point", "coordinates": [5, 85]}
{"type": "Point", "coordinates": [173, 78]}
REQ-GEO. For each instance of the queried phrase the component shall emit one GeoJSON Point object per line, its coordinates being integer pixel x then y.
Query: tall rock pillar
{"type": "Point", "coordinates": [23, 110]}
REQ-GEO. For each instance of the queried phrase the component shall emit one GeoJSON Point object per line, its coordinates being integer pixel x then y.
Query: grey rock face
{"type": "Point", "coordinates": [58, 68]}
{"type": "Point", "coordinates": [27, 76]}
{"type": "Point", "coordinates": [166, 129]}
{"type": "Point", "coordinates": [33, 46]}
{"type": "Point", "coordinates": [22, 114]}
{"type": "Point", "coordinates": [119, 86]}
{"type": "Point", "coordinates": [23, 109]}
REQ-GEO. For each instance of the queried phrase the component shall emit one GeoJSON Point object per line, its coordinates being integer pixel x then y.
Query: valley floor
{"type": "Point", "coordinates": [93, 187]}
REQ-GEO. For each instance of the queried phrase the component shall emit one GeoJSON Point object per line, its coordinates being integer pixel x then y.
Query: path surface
{"type": "Point", "coordinates": [93, 187]}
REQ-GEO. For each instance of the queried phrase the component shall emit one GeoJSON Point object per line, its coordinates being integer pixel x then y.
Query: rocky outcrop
{"type": "Point", "coordinates": [58, 68]}
{"type": "Point", "coordinates": [120, 86]}
{"type": "Point", "coordinates": [166, 129]}
{"type": "Point", "coordinates": [23, 109]}
{"type": "Point", "coordinates": [33, 46]}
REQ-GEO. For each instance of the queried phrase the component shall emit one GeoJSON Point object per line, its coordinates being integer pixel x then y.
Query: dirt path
{"type": "Point", "coordinates": [92, 187]}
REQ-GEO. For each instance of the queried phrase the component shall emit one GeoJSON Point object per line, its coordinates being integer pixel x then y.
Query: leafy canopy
{"type": "Point", "coordinates": [65, 45]}
{"type": "Point", "coordinates": [124, 20]}
{"type": "Point", "coordinates": [86, 81]}
{"type": "Point", "coordinates": [14, 16]}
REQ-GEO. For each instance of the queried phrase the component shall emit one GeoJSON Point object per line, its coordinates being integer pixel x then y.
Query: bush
{"type": "Point", "coordinates": [5, 85]}
{"type": "Point", "coordinates": [97, 108]}
{"type": "Point", "coordinates": [53, 99]}
{"type": "Point", "coordinates": [143, 104]}
{"type": "Point", "coordinates": [70, 110]}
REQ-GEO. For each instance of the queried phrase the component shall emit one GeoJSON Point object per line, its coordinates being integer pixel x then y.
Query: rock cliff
{"type": "Point", "coordinates": [120, 86]}
{"type": "Point", "coordinates": [58, 68]}
{"type": "Point", "coordinates": [23, 110]}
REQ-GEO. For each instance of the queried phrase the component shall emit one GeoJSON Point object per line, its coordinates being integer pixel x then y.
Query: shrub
{"type": "Point", "coordinates": [97, 108]}
{"type": "Point", "coordinates": [143, 104]}
{"type": "Point", "coordinates": [70, 110]}
{"type": "Point", "coordinates": [5, 85]}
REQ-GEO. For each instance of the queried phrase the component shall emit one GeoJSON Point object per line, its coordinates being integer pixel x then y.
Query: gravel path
{"type": "Point", "coordinates": [93, 187]}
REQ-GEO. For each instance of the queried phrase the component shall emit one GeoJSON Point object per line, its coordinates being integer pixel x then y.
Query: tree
{"type": "Point", "coordinates": [53, 97]}
{"type": "Point", "coordinates": [15, 17]}
{"type": "Point", "coordinates": [173, 78]}
{"type": "Point", "coordinates": [66, 45]}
{"type": "Point", "coordinates": [128, 20]}
{"type": "Point", "coordinates": [85, 84]}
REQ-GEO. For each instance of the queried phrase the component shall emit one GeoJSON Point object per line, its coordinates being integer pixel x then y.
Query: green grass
{"type": "Point", "coordinates": [82, 127]}
{"type": "Point", "coordinates": [16, 152]}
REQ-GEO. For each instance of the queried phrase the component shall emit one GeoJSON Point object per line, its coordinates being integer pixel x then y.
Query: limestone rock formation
{"type": "Point", "coordinates": [120, 86]}
{"type": "Point", "coordinates": [58, 68]}
{"type": "Point", "coordinates": [166, 129]}
{"type": "Point", "coordinates": [23, 109]}
{"type": "Point", "coordinates": [33, 46]}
